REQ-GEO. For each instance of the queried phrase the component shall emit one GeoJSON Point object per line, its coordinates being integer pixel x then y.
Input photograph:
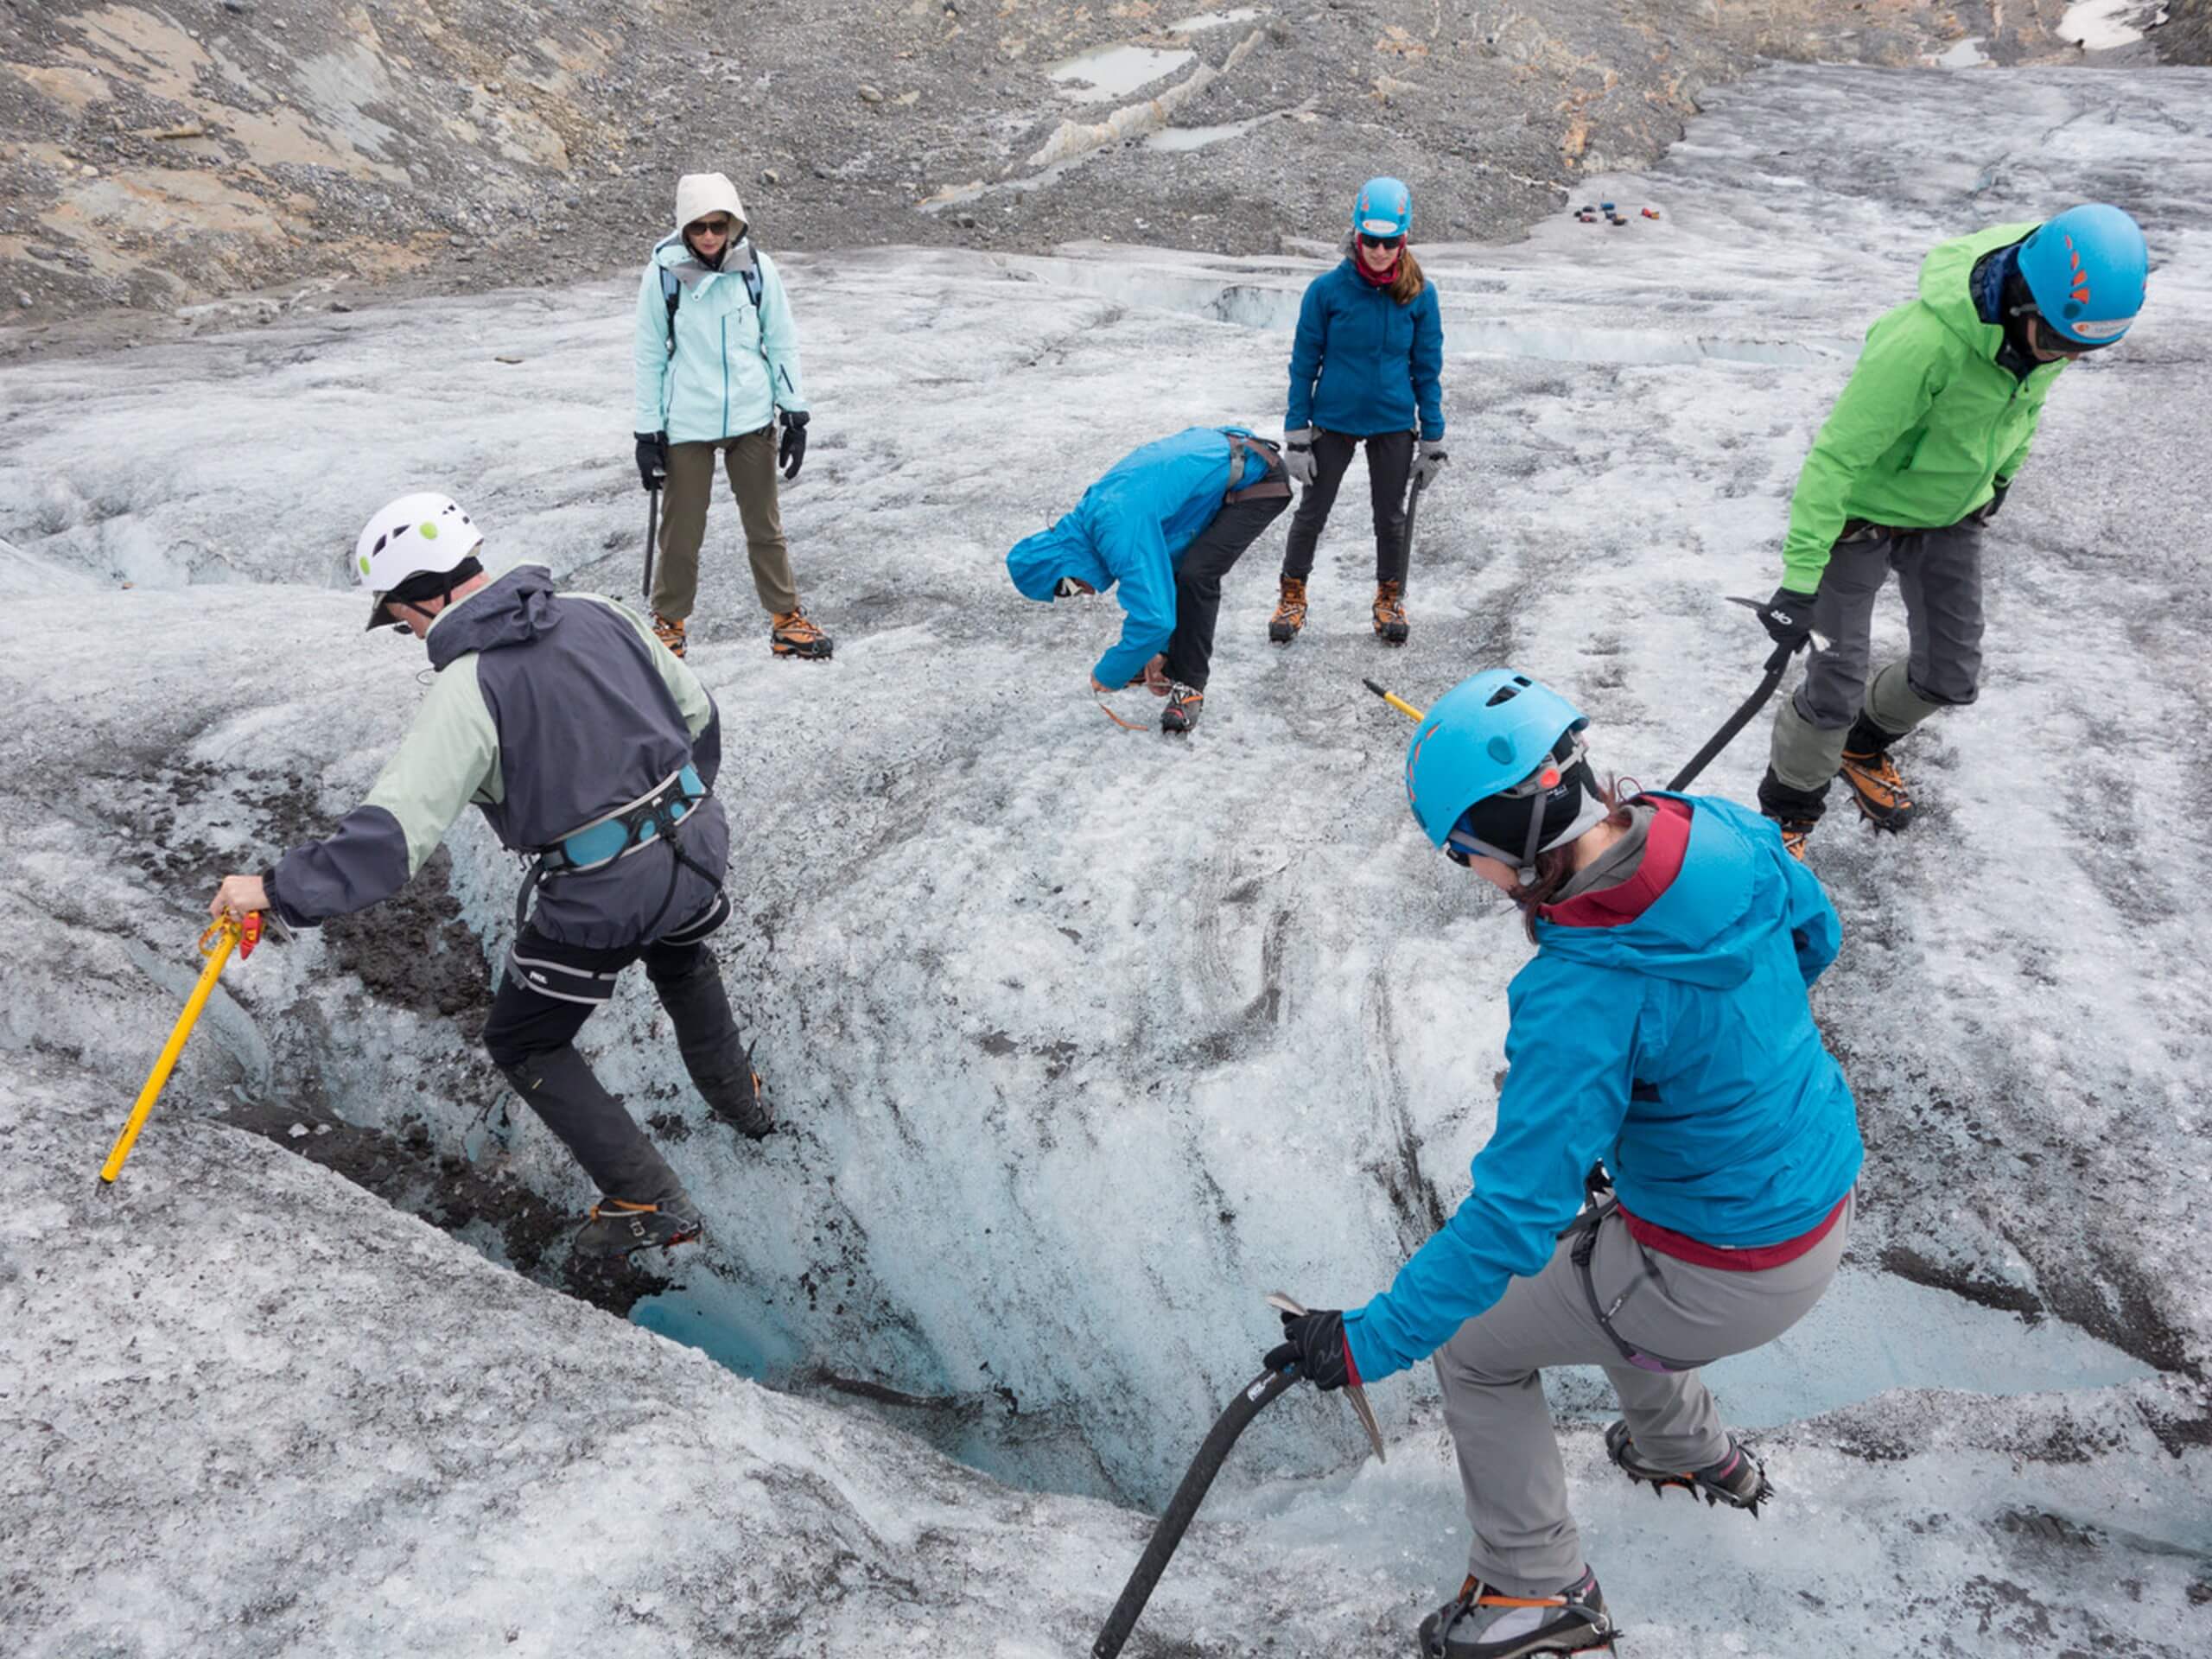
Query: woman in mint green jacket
{"type": "Point", "coordinates": [717, 358]}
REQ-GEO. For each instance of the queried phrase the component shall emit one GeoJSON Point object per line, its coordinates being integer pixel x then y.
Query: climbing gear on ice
{"type": "Point", "coordinates": [1794, 832]}
{"type": "Point", "coordinates": [1184, 704]}
{"type": "Point", "coordinates": [1191, 1492]}
{"type": "Point", "coordinates": [1274, 482]}
{"type": "Point", "coordinates": [1771, 677]}
{"type": "Point", "coordinates": [1875, 782]}
{"type": "Point", "coordinates": [1480, 1623]}
{"type": "Point", "coordinates": [1355, 1395]}
{"type": "Point", "coordinates": [652, 536]}
{"type": "Point", "coordinates": [669, 632]}
{"type": "Point", "coordinates": [1290, 612]}
{"type": "Point", "coordinates": [1738, 1480]}
{"type": "Point", "coordinates": [617, 1227]}
{"type": "Point", "coordinates": [1584, 1232]}
{"type": "Point", "coordinates": [1396, 702]}
{"type": "Point", "coordinates": [790, 634]}
{"type": "Point", "coordinates": [1391, 625]}
{"type": "Point", "coordinates": [424, 533]}
{"type": "Point", "coordinates": [651, 817]}
{"type": "Point", "coordinates": [1253, 1398]}
{"type": "Point", "coordinates": [216, 943]}
{"type": "Point", "coordinates": [2087, 270]}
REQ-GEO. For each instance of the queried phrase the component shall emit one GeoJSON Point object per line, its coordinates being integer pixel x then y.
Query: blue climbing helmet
{"type": "Point", "coordinates": [2086, 271]}
{"type": "Point", "coordinates": [1383, 207]}
{"type": "Point", "coordinates": [1497, 771]}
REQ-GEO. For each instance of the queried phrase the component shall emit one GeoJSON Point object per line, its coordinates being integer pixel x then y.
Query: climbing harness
{"type": "Point", "coordinates": [652, 817]}
{"type": "Point", "coordinates": [1275, 485]}
{"type": "Point", "coordinates": [1585, 1234]}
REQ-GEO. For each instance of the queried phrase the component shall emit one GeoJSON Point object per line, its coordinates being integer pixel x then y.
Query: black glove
{"type": "Point", "coordinates": [1988, 509]}
{"type": "Point", "coordinates": [1313, 1344]}
{"type": "Point", "coordinates": [791, 453]}
{"type": "Point", "coordinates": [1788, 618]}
{"type": "Point", "coordinates": [652, 458]}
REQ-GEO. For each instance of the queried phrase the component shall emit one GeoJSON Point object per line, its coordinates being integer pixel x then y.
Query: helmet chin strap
{"type": "Point", "coordinates": [1587, 816]}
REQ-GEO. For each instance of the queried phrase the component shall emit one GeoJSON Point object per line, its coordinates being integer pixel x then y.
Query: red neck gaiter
{"type": "Point", "coordinates": [1383, 279]}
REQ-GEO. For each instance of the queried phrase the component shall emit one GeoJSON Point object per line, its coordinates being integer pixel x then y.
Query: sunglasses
{"type": "Point", "coordinates": [1366, 241]}
{"type": "Point", "coordinates": [718, 226]}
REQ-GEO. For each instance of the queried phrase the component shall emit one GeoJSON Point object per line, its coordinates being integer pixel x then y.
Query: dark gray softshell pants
{"type": "Point", "coordinates": [1939, 575]}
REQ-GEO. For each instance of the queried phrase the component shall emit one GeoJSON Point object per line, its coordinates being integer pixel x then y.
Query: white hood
{"type": "Point", "coordinates": [698, 195]}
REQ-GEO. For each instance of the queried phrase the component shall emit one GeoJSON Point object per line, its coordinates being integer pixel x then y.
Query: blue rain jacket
{"type": "Point", "coordinates": [1129, 531]}
{"type": "Point", "coordinates": [1363, 364]}
{"type": "Point", "coordinates": [1678, 1047]}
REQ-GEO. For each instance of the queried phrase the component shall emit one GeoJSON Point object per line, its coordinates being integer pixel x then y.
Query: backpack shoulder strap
{"type": "Point", "coordinates": [671, 291]}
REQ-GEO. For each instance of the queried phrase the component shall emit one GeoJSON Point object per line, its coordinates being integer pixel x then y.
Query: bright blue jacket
{"type": "Point", "coordinates": [1378, 364]}
{"type": "Point", "coordinates": [735, 363]}
{"type": "Point", "coordinates": [1130, 528]}
{"type": "Point", "coordinates": [1679, 1048]}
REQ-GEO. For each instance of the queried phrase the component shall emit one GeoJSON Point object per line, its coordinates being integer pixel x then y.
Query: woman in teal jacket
{"type": "Point", "coordinates": [1366, 365]}
{"type": "Point", "coordinates": [1662, 1030]}
{"type": "Point", "coordinates": [716, 349]}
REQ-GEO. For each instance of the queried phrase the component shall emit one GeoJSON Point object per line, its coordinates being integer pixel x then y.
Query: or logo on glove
{"type": "Point", "coordinates": [1788, 618]}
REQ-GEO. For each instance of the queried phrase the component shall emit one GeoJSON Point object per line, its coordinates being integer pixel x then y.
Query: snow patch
{"type": "Point", "coordinates": [2099, 25]}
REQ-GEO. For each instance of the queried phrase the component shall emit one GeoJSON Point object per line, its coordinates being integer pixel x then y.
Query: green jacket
{"type": "Point", "coordinates": [1929, 423]}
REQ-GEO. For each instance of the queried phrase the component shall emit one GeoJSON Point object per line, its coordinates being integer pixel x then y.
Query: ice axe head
{"type": "Point", "coordinates": [1353, 1392]}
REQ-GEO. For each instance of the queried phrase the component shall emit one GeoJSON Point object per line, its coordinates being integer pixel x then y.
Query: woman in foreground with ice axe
{"type": "Point", "coordinates": [1662, 1030]}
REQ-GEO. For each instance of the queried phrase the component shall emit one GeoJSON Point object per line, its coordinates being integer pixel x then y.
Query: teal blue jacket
{"type": "Point", "coordinates": [735, 363]}
{"type": "Point", "coordinates": [1129, 531]}
{"type": "Point", "coordinates": [1679, 1048]}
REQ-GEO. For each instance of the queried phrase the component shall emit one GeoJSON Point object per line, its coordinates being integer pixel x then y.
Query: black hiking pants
{"type": "Point", "coordinates": [1389, 465]}
{"type": "Point", "coordinates": [549, 990]}
{"type": "Point", "coordinates": [1197, 583]}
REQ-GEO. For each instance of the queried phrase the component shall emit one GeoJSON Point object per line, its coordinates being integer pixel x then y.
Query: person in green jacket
{"type": "Point", "coordinates": [1913, 462]}
{"type": "Point", "coordinates": [716, 354]}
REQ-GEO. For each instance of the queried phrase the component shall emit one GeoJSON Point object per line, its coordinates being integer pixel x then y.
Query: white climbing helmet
{"type": "Point", "coordinates": [421, 533]}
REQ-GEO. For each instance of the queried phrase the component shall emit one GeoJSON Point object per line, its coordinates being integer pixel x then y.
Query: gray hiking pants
{"type": "Point", "coordinates": [1524, 1541]}
{"type": "Point", "coordinates": [750, 463]}
{"type": "Point", "coordinates": [1939, 574]}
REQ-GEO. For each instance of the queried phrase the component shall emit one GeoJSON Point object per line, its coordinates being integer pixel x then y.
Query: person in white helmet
{"type": "Point", "coordinates": [629, 847]}
{"type": "Point", "coordinates": [716, 350]}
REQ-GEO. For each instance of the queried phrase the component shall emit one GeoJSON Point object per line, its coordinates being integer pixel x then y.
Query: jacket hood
{"type": "Point", "coordinates": [1038, 563]}
{"type": "Point", "coordinates": [1704, 929]}
{"type": "Point", "coordinates": [698, 195]}
{"type": "Point", "coordinates": [512, 610]}
{"type": "Point", "coordinates": [1947, 284]}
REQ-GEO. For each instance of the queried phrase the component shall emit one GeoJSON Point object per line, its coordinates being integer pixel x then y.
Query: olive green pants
{"type": "Point", "coordinates": [751, 463]}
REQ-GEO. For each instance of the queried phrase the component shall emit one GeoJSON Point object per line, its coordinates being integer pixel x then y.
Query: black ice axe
{"type": "Point", "coordinates": [652, 535]}
{"type": "Point", "coordinates": [1771, 677]}
{"type": "Point", "coordinates": [1251, 1400]}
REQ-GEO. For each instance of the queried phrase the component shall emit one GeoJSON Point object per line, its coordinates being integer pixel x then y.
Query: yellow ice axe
{"type": "Point", "coordinates": [215, 945]}
{"type": "Point", "coordinates": [1398, 703]}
